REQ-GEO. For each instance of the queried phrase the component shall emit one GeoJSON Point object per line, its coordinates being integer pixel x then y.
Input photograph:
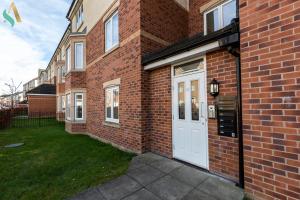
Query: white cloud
{"type": "Point", "coordinates": [29, 46]}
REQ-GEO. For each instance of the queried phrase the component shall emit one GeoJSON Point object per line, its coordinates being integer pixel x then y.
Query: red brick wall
{"type": "Point", "coordinates": [195, 17]}
{"type": "Point", "coordinates": [75, 80]}
{"type": "Point", "coordinates": [159, 119]}
{"type": "Point", "coordinates": [60, 88]}
{"type": "Point", "coordinates": [60, 116]}
{"type": "Point", "coordinates": [75, 127]}
{"type": "Point", "coordinates": [41, 104]}
{"type": "Point", "coordinates": [123, 63]}
{"type": "Point", "coordinates": [270, 46]}
{"type": "Point", "coordinates": [164, 19]}
{"type": "Point", "coordinates": [223, 151]}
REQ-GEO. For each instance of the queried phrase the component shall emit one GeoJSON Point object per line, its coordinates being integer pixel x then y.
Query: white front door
{"type": "Point", "coordinates": [190, 134]}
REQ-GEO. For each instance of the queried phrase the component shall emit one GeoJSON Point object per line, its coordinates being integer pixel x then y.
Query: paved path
{"type": "Point", "coordinates": [152, 177]}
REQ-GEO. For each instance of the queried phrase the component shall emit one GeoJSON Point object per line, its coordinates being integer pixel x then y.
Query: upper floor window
{"type": "Point", "coordinates": [112, 104]}
{"type": "Point", "coordinates": [220, 16]}
{"type": "Point", "coordinates": [68, 59]}
{"type": "Point", "coordinates": [112, 32]}
{"type": "Point", "coordinates": [79, 17]}
{"type": "Point", "coordinates": [79, 55]}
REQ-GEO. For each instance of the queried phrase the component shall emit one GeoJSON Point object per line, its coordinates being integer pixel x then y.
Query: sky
{"type": "Point", "coordinates": [29, 45]}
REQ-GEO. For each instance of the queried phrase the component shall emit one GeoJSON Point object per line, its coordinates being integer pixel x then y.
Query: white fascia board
{"type": "Point", "coordinates": [184, 56]}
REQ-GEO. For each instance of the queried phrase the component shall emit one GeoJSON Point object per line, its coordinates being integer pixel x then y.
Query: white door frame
{"type": "Point", "coordinates": [172, 87]}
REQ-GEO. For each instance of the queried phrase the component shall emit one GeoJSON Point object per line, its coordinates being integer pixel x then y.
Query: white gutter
{"type": "Point", "coordinates": [184, 56]}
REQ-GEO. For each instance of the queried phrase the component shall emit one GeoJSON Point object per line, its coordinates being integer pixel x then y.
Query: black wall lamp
{"type": "Point", "coordinates": [214, 88]}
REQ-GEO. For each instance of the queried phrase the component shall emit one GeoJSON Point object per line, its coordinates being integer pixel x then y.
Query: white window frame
{"type": "Point", "coordinates": [79, 17]}
{"type": "Point", "coordinates": [220, 16]}
{"type": "Point", "coordinates": [76, 46]}
{"type": "Point", "coordinates": [75, 105]}
{"type": "Point", "coordinates": [68, 59]}
{"type": "Point", "coordinates": [68, 106]}
{"type": "Point", "coordinates": [111, 32]}
{"type": "Point", "coordinates": [111, 91]}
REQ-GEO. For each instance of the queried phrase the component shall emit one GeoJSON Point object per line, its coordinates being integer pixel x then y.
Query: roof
{"type": "Point", "coordinates": [191, 43]}
{"type": "Point", "coordinates": [70, 9]}
{"type": "Point", "coordinates": [43, 89]}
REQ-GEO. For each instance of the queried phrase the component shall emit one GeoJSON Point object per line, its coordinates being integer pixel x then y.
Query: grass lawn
{"type": "Point", "coordinates": [54, 164]}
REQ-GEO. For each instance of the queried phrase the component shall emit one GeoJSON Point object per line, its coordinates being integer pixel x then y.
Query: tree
{"type": "Point", "coordinates": [13, 91]}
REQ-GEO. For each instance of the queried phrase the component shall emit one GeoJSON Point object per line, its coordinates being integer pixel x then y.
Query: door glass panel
{"type": "Point", "coordinates": [195, 100]}
{"type": "Point", "coordinates": [181, 101]}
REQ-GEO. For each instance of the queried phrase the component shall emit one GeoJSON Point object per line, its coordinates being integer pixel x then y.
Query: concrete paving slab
{"type": "Point", "coordinates": [148, 158]}
{"type": "Point", "coordinates": [221, 189]}
{"type": "Point", "coordinates": [142, 194]}
{"type": "Point", "coordinates": [168, 188]}
{"type": "Point", "coordinates": [197, 195]}
{"type": "Point", "coordinates": [189, 175]}
{"type": "Point", "coordinates": [90, 194]}
{"type": "Point", "coordinates": [145, 175]}
{"type": "Point", "coordinates": [119, 188]}
{"type": "Point", "coordinates": [136, 163]}
{"type": "Point", "coordinates": [166, 165]}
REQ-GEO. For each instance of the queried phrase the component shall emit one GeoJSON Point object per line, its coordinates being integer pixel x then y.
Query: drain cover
{"type": "Point", "coordinates": [14, 145]}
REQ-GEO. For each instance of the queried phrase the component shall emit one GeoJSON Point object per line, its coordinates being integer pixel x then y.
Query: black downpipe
{"type": "Point", "coordinates": [235, 51]}
{"type": "Point", "coordinates": [240, 122]}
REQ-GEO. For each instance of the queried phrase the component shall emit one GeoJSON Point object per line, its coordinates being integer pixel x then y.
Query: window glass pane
{"type": "Point", "coordinates": [189, 67]}
{"type": "Point", "coordinates": [63, 103]}
{"type": "Point", "coordinates": [68, 55]}
{"type": "Point", "coordinates": [68, 106]}
{"type": "Point", "coordinates": [108, 104]}
{"type": "Point", "coordinates": [212, 21]}
{"type": "Point", "coordinates": [181, 101]}
{"type": "Point", "coordinates": [115, 33]}
{"type": "Point", "coordinates": [79, 106]}
{"type": "Point", "coordinates": [116, 104]}
{"type": "Point", "coordinates": [195, 99]}
{"type": "Point", "coordinates": [108, 36]}
{"type": "Point", "coordinates": [229, 12]}
{"type": "Point", "coordinates": [79, 55]}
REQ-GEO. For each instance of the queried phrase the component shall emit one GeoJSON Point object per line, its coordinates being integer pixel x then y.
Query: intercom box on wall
{"type": "Point", "coordinates": [227, 116]}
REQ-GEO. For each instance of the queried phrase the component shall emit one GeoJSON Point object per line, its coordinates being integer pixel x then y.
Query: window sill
{"type": "Point", "coordinates": [111, 124]}
{"type": "Point", "coordinates": [111, 50]}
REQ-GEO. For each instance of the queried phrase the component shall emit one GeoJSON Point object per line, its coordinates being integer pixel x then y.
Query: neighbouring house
{"type": "Point", "coordinates": [8, 101]}
{"type": "Point", "coordinates": [214, 83]}
{"type": "Point", "coordinates": [42, 101]}
{"type": "Point", "coordinates": [30, 85]}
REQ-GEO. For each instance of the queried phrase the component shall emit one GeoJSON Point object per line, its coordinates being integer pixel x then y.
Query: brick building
{"type": "Point", "coordinates": [139, 75]}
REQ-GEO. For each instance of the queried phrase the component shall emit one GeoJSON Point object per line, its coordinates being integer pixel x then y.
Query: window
{"type": "Point", "coordinates": [112, 32]}
{"type": "Point", "coordinates": [63, 103]}
{"type": "Point", "coordinates": [79, 17]}
{"type": "Point", "coordinates": [68, 107]}
{"type": "Point", "coordinates": [220, 16]}
{"type": "Point", "coordinates": [68, 59]}
{"type": "Point", "coordinates": [78, 106]}
{"type": "Point", "coordinates": [112, 104]}
{"type": "Point", "coordinates": [79, 55]}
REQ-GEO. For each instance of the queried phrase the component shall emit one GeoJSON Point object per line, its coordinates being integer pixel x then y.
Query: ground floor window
{"type": "Point", "coordinates": [112, 104]}
{"type": "Point", "coordinates": [68, 106]}
{"type": "Point", "coordinates": [78, 106]}
{"type": "Point", "coordinates": [63, 103]}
